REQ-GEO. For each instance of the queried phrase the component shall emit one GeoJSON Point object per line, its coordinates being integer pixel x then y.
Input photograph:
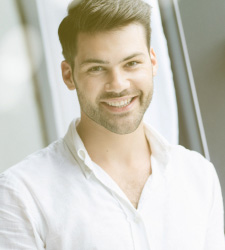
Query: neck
{"type": "Point", "coordinates": [109, 149]}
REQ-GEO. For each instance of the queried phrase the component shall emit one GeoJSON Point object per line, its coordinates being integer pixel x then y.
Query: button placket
{"type": "Point", "coordinates": [139, 233]}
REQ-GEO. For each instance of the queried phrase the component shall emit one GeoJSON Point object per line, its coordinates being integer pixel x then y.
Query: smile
{"type": "Point", "coordinates": [120, 104]}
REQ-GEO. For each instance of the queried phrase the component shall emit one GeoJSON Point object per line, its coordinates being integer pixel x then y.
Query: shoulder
{"type": "Point", "coordinates": [190, 160]}
{"type": "Point", "coordinates": [40, 158]}
{"type": "Point", "coordinates": [182, 164]}
{"type": "Point", "coordinates": [42, 166]}
{"type": "Point", "coordinates": [189, 169]}
{"type": "Point", "coordinates": [40, 181]}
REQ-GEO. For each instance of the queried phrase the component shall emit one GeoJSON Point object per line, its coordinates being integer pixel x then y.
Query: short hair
{"type": "Point", "coordinates": [100, 15]}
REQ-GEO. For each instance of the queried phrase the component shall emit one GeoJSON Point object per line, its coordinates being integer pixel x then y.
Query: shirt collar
{"type": "Point", "coordinates": [159, 148]}
{"type": "Point", "coordinates": [78, 149]}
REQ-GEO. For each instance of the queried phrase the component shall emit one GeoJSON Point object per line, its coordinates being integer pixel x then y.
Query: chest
{"type": "Point", "coordinates": [98, 220]}
{"type": "Point", "coordinates": [133, 190]}
{"type": "Point", "coordinates": [132, 183]}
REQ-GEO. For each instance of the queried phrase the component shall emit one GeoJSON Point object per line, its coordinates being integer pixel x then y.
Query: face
{"type": "Point", "coordinates": [113, 75]}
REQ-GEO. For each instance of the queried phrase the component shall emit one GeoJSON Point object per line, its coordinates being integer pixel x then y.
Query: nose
{"type": "Point", "coordinates": [117, 81]}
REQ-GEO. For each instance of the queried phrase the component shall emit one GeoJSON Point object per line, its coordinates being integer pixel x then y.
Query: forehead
{"type": "Point", "coordinates": [114, 43]}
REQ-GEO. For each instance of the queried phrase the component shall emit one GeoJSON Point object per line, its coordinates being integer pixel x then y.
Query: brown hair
{"type": "Point", "coordinates": [100, 15]}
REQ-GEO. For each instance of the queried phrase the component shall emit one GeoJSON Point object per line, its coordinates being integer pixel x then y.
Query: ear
{"type": "Point", "coordinates": [67, 75]}
{"type": "Point", "coordinates": [154, 61]}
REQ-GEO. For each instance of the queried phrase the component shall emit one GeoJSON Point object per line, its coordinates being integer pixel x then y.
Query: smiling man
{"type": "Point", "coordinates": [112, 182]}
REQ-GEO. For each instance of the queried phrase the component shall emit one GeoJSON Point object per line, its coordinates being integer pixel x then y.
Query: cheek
{"type": "Point", "coordinates": [143, 77]}
{"type": "Point", "coordinates": [90, 87]}
{"type": "Point", "coordinates": [93, 85]}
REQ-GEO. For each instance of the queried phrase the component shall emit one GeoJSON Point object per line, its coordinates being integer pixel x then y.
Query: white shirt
{"type": "Point", "coordinates": [58, 199]}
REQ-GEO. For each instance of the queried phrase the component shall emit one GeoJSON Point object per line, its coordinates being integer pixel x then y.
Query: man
{"type": "Point", "coordinates": [112, 182]}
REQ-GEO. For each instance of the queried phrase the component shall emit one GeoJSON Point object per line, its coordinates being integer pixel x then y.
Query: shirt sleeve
{"type": "Point", "coordinates": [17, 228]}
{"type": "Point", "coordinates": [215, 230]}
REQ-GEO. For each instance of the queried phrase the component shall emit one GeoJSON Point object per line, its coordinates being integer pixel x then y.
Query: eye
{"type": "Point", "coordinates": [132, 64]}
{"type": "Point", "coordinates": [96, 69]}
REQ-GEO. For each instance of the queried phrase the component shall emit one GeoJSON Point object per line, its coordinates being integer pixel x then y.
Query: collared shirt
{"type": "Point", "coordinates": [58, 199]}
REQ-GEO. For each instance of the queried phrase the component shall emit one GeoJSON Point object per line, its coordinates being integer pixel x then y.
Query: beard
{"type": "Point", "coordinates": [124, 123]}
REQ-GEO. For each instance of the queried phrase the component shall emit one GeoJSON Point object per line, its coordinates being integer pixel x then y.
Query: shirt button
{"type": "Point", "coordinates": [81, 154]}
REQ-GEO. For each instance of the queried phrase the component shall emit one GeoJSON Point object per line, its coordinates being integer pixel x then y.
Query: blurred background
{"type": "Point", "coordinates": [189, 100]}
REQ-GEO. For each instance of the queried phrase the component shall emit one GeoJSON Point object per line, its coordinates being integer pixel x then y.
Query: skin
{"type": "Point", "coordinates": [111, 67]}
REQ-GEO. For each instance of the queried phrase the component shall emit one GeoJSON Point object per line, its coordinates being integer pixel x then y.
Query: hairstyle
{"type": "Point", "coordinates": [100, 15]}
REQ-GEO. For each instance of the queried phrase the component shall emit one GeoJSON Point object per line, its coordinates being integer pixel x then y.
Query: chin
{"type": "Point", "coordinates": [124, 128]}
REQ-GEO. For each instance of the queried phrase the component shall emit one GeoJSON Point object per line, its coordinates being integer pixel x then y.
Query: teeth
{"type": "Point", "coordinates": [120, 104]}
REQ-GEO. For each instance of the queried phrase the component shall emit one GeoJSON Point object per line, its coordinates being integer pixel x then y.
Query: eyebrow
{"type": "Point", "coordinates": [132, 56]}
{"type": "Point", "coordinates": [92, 60]}
{"type": "Point", "coordinates": [97, 61]}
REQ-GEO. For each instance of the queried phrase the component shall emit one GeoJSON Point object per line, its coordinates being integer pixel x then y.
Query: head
{"type": "Point", "coordinates": [106, 44]}
{"type": "Point", "coordinates": [92, 16]}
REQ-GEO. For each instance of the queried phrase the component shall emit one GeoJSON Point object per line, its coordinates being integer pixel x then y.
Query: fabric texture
{"type": "Point", "coordinates": [58, 199]}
